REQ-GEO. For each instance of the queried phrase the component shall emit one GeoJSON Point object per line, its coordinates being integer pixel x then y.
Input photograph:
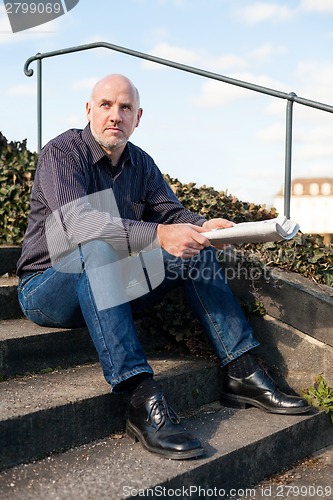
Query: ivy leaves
{"type": "Point", "coordinates": [320, 396]}
{"type": "Point", "coordinates": [17, 167]}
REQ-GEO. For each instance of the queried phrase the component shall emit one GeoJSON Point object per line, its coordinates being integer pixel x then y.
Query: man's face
{"type": "Point", "coordinates": [113, 112]}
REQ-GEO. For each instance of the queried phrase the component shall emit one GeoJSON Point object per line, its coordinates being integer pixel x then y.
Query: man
{"type": "Point", "coordinates": [100, 213]}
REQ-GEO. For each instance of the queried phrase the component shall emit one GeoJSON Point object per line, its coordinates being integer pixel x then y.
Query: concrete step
{"type": "Point", "coordinates": [242, 447]}
{"type": "Point", "coordinates": [40, 414]}
{"type": "Point", "coordinates": [9, 256]}
{"type": "Point", "coordinates": [9, 305]}
{"type": "Point", "coordinates": [26, 347]}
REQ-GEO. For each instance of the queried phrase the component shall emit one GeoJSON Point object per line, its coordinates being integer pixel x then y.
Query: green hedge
{"type": "Point", "coordinates": [17, 167]}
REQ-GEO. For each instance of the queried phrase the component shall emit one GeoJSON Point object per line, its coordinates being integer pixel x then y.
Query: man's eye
{"type": "Point", "coordinates": [105, 105]}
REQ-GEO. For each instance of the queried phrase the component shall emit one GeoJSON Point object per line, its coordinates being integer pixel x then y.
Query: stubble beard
{"type": "Point", "coordinates": [110, 145]}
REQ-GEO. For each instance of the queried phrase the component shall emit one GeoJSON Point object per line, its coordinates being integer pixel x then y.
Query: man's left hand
{"type": "Point", "coordinates": [218, 223]}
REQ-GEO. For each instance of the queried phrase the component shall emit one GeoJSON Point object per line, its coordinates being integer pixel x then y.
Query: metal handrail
{"type": "Point", "coordinates": [290, 97]}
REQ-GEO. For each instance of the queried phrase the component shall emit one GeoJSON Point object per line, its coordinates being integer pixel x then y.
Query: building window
{"type": "Point", "coordinates": [314, 188]}
{"type": "Point", "coordinates": [326, 188]}
{"type": "Point", "coordinates": [298, 188]}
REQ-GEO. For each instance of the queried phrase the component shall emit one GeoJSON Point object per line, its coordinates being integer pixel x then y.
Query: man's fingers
{"type": "Point", "coordinates": [182, 240]}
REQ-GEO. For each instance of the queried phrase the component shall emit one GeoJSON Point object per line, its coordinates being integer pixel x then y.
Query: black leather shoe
{"type": "Point", "coordinates": [158, 429]}
{"type": "Point", "coordinates": [259, 390]}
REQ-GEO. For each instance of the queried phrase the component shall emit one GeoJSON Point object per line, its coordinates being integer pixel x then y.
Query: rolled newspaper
{"type": "Point", "coordinates": [277, 229]}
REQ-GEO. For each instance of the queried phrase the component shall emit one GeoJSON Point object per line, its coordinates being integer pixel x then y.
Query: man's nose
{"type": "Point", "coordinates": [115, 114]}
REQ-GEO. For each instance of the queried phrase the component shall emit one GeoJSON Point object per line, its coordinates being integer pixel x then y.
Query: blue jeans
{"type": "Point", "coordinates": [62, 296]}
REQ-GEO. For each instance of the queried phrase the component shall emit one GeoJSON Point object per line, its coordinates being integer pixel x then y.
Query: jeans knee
{"type": "Point", "coordinates": [97, 253]}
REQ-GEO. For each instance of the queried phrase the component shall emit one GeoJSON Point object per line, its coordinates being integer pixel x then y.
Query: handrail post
{"type": "Point", "coordinates": [39, 104]}
{"type": "Point", "coordinates": [287, 173]}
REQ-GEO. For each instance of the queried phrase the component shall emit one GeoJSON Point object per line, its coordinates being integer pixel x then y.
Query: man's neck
{"type": "Point", "coordinates": [114, 155]}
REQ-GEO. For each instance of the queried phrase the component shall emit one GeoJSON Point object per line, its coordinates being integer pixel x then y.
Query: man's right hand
{"type": "Point", "coordinates": [182, 240]}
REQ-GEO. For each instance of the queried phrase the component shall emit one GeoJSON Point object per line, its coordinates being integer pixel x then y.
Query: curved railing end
{"type": "Point", "coordinates": [28, 71]}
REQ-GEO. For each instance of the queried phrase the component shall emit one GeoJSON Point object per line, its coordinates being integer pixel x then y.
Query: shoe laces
{"type": "Point", "coordinates": [160, 411]}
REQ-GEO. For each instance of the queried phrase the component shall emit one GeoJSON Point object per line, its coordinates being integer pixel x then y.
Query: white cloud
{"type": "Point", "coordinates": [22, 90]}
{"type": "Point", "coordinates": [215, 93]}
{"type": "Point", "coordinates": [272, 134]}
{"type": "Point", "coordinates": [319, 134]}
{"type": "Point", "coordinates": [159, 32]}
{"type": "Point", "coordinates": [196, 58]}
{"type": "Point", "coordinates": [312, 133]}
{"type": "Point", "coordinates": [315, 152]}
{"type": "Point", "coordinates": [225, 62]}
{"type": "Point", "coordinates": [73, 121]}
{"type": "Point", "coordinates": [264, 53]}
{"type": "Point", "coordinates": [176, 3]}
{"type": "Point", "coordinates": [84, 84]}
{"type": "Point", "coordinates": [276, 107]}
{"type": "Point", "coordinates": [264, 174]}
{"type": "Point", "coordinates": [173, 53]}
{"type": "Point", "coordinates": [317, 5]}
{"type": "Point", "coordinates": [264, 11]}
{"type": "Point", "coordinates": [316, 79]}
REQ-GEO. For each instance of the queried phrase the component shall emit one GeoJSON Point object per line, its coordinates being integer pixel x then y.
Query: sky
{"type": "Point", "coordinates": [196, 129]}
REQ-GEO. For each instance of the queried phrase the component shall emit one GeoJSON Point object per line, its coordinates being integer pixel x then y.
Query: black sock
{"type": "Point", "coordinates": [243, 366]}
{"type": "Point", "coordinates": [144, 389]}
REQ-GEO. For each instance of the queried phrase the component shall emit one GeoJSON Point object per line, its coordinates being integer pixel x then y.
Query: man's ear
{"type": "Point", "coordinates": [140, 112]}
{"type": "Point", "coordinates": [88, 109]}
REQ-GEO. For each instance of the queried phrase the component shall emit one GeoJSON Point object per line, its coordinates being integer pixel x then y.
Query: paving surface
{"type": "Point", "coordinates": [312, 478]}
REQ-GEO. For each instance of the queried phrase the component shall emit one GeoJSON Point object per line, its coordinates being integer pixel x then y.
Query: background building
{"type": "Point", "coordinates": [311, 205]}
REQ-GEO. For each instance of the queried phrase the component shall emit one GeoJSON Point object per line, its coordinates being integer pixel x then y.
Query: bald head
{"type": "Point", "coordinates": [113, 112]}
{"type": "Point", "coordinates": [115, 80]}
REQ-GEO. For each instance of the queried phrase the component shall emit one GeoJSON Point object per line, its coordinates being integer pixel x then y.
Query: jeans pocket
{"type": "Point", "coordinates": [26, 280]}
{"type": "Point", "coordinates": [40, 318]}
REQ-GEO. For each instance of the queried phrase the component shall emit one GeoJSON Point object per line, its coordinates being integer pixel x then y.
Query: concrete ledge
{"type": "Point", "coordinates": [295, 357]}
{"type": "Point", "coordinates": [291, 298]}
{"type": "Point", "coordinates": [9, 255]}
{"type": "Point", "coordinates": [9, 305]}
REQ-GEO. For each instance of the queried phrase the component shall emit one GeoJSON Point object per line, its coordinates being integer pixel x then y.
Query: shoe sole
{"type": "Point", "coordinates": [134, 434]}
{"type": "Point", "coordinates": [241, 402]}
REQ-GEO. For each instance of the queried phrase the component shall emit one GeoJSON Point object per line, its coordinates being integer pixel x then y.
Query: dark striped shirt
{"type": "Point", "coordinates": [78, 196]}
